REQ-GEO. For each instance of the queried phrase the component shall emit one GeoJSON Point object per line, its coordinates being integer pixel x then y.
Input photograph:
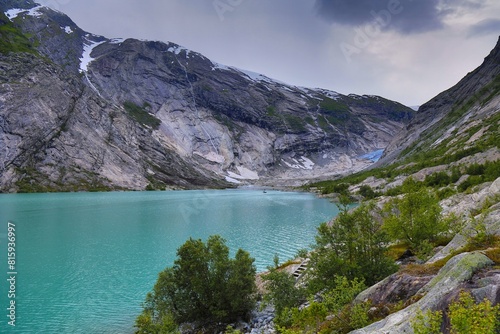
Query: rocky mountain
{"type": "Point", "coordinates": [85, 112]}
{"type": "Point", "coordinates": [464, 117]}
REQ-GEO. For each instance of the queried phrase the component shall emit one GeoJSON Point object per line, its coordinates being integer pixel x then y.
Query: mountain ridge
{"type": "Point", "coordinates": [434, 117]}
{"type": "Point", "coordinates": [155, 115]}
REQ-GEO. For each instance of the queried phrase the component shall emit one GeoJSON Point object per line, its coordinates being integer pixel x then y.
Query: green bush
{"type": "Point", "coordinates": [343, 293]}
{"type": "Point", "coordinates": [367, 192]}
{"type": "Point", "coordinates": [204, 287]}
{"type": "Point", "coordinates": [439, 179]}
{"type": "Point", "coordinates": [165, 325]}
{"type": "Point", "coordinates": [282, 292]}
{"type": "Point", "coordinates": [475, 169]}
{"type": "Point", "coordinates": [353, 246]}
{"type": "Point", "coordinates": [428, 322]}
{"type": "Point", "coordinates": [486, 172]}
{"type": "Point", "coordinates": [312, 319]}
{"type": "Point", "coordinates": [465, 316]}
{"type": "Point", "coordinates": [446, 193]}
{"type": "Point", "coordinates": [468, 317]}
{"type": "Point", "coordinates": [415, 218]}
{"type": "Point", "coordinates": [307, 320]}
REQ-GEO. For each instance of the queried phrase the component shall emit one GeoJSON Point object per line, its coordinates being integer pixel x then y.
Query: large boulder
{"type": "Point", "coordinates": [458, 270]}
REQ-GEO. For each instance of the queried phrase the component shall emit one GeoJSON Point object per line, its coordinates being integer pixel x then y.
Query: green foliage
{"type": "Point", "coordinates": [465, 315]}
{"type": "Point", "coordinates": [307, 320]}
{"type": "Point", "coordinates": [302, 253]}
{"type": "Point", "coordinates": [338, 113]}
{"type": "Point", "coordinates": [468, 317]}
{"type": "Point", "coordinates": [439, 179]}
{"type": "Point", "coordinates": [353, 246]}
{"type": "Point", "coordinates": [353, 316]}
{"type": "Point", "coordinates": [428, 322]}
{"type": "Point", "coordinates": [343, 293]}
{"type": "Point", "coordinates": [337, 301]}
{"type": "Point", "coordinates": [367, 192]}
{"type": "Point", "coordinates": [331, 105]}
{"type": "Point", "coordinates": [282, 292]}
{"type": "Point", "coordinates": [481, 173]}
{"type": "Point", "coordinates": [475, 169]}
{"type": "Point", "coordinates": [12, 39]}
{"type": "Point", "coordinates": [204, 287]}
{"type": "Point", "coordinates": [359, 315]}
{"type": "Point", "coordinates": [415, 218]}
{"type": "Point", "coordinates": [146, 325]}
{"type": "Point", "coordinates": [445, 193]}
{"type": "Point", "coordinates": [231, 330]}
{"type": "Point", "coordinates": [141, 115]}
{"type": "Point", "coordinates": [338, 188]}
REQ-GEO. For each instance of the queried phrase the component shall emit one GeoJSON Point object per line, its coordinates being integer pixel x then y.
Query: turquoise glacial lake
{"type": "Point", "coordinates": [85, 261]}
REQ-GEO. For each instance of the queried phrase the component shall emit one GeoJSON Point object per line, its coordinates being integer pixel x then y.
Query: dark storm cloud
{"type": "Point", "coordinates": [485, 27]}
{"type": "Point", "coordinates": [404, 16]}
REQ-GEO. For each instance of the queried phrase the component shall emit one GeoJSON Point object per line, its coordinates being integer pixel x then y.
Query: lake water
{"type": "Point", "coordinates": [85, 261]}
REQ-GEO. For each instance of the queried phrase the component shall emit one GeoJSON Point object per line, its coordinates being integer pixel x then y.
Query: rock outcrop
{"type": "Point", "coordinates": [445, 284]}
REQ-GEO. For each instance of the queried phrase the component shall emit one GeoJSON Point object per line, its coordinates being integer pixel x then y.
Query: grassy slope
{"type": "Point", "coordinates": [12, 39]}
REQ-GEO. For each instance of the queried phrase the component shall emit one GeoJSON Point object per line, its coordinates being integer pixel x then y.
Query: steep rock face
{"type": "Point", "coordinates": [66, 138]}
{"type": "Point", "coordinates": [86, 112]}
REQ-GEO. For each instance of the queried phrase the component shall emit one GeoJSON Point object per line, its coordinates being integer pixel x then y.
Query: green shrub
{"type": "Point", "coordinates": [343, 293]}
{"type": "Point", "coordinates": [428, 322]}
{"type": "Point", "coordinates": [204, 287]}
{"type": "Point", "coordinates": [446, 193]}
{"type": "Point", "coordinates": [367, 192]}
{"type": "Point", "coordinates": [282, 292]}
{"type": "Point", "coordinates": [351, 317]}
{"type": "Point", "coordinates": [415, 218]}
{"type": "Point", "coordinates": [336, 302]}
{"type": "Point", "coordinates": [439, 179]}
{"type": "Point", "coordinates": [475, 169]}
{"type": "Point", "coordinates": [353, 246]}
{"type": "Point", "coordinates": [469, 317]}
{"type": "Point", "coordinates": [307, 320]}
{"type": "Point", "coordinates": [146, 324]}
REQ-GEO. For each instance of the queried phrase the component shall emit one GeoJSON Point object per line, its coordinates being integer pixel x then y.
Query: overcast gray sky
{"type": "Point", "coordinates": [405, 50]}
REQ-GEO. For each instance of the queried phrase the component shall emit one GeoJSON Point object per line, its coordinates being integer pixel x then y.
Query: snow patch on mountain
{"type": "Point", "coordinates": [117, 40]}
{"type": "Point", "coordinates": [86, 59]}
{"type": "Point", "coordinates": [178, 49]}
{"type": "Point", "coordinates": [13, 13]}
{"type": "Point", "coordinates": [328, 93]}
{"type": "Point", "coordinates": [301, 163]}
